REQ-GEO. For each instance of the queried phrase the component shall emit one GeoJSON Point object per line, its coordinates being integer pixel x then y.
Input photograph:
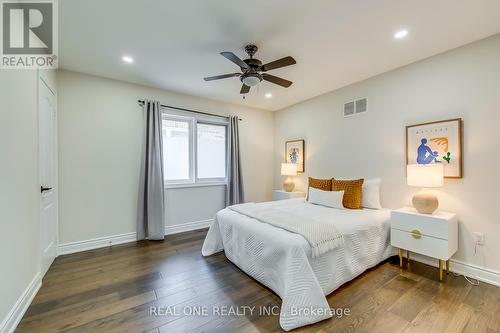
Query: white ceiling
{"type": "Point", "coordinates": [335, 43]}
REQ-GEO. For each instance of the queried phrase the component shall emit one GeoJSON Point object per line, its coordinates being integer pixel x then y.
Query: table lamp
{"type": "Point", "coordinates": [288, 169]}
{"type": "Point", "coordinates": [431, 175]}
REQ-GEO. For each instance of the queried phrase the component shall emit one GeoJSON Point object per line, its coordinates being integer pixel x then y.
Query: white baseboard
{"type": "Point", "coordinates": [178, 228]}
{"type": "Point", "coordinates": [96, 243]}
{"type": "Point", "coordinates": [10, 322]}
{"type": "Point", "coordinates": [482, 274]}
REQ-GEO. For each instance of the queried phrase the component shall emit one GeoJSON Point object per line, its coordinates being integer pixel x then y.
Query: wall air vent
{"type": "Point", "coordinates": [349, 109]}
{"type": "Point", "coordinates": [355, 107]}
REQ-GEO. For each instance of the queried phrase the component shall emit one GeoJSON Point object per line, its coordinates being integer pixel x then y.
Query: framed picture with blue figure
{"type": "Point", "coordinates": [295, 153]}
{"type": "Point", "coordinates": [436, 142]}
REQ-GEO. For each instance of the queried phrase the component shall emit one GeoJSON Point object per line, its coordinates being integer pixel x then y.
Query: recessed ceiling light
{"type": "Point", "coordinates": [128, 59]}
{"type": "Point", "coordinates": [269, 95]}
{"type": "Point", "coordinates": [401, 34]}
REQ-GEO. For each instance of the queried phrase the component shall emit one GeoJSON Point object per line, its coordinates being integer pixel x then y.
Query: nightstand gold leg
{"type": "Point", "coordinates": [400, 258]}
{"type": "Point", "coordinates": [448, 266]}
{"type": "Point", "coordinates": [440, 270]}
{"type": "Point", "coordinates": [408, 256]}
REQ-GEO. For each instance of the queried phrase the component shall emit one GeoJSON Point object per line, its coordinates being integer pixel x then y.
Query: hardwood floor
{"type": "Point", "coordinates": [114, 290]}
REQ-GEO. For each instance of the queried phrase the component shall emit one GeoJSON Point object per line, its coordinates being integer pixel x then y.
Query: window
{"type": "Point", "coordinates": [211, 151]}
{"type": "Point", "coordinates": [176, 151]}
{"type": "Point", "coordinates": [194, 149]}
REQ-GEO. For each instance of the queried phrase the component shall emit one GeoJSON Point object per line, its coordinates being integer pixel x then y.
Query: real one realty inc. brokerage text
{"type": "Point", "coordinates": [245, 310]}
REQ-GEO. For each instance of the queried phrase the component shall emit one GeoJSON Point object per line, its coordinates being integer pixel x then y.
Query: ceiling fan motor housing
{"type": "Point", "coordinates": [254, 64]}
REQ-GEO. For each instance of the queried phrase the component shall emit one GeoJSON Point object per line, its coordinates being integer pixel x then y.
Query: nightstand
{"type": "Point", "coordinates": [433, 235]}
{"type": "Point", "coordinates": [283, 195]}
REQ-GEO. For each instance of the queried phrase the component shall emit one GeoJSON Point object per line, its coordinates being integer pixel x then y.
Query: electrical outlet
{"type": "Point", "coordinates": [479, 238]}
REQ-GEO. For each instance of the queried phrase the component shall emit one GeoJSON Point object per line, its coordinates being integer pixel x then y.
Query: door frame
{"type": "Point", "coordinates": [48, 79]}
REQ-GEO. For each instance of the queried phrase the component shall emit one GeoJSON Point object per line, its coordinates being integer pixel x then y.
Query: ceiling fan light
{"type": "Point", "coordinates": [250, 80]}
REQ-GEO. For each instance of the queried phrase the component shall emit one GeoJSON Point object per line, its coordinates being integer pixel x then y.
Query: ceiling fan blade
{"type": "Point", "coordinates": [277, 80]}
{"type": "Point", "coordinates": [234, 58]}
{"type": "Point", "coordinates": [286, 61]}
{"type": "Point", "coordinates": [218, 77]}
{"type": "Point", "coordinates": [244, 89]}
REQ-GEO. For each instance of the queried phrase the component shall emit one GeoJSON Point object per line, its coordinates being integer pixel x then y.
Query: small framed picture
{"type": "Point", "coordinates": [295, 153]}
{"type": "Point", "coordinates": [436, 142]}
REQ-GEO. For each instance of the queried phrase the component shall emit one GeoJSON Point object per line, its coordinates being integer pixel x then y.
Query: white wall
{"type": "Point", "coordinates": [197, 204]}
{"type": "Point", "coordinates": [19, 194]}
{"type": "Point", "coordinates": [100, 136]}
{"type": "Point", "coordinates": [461, 83]}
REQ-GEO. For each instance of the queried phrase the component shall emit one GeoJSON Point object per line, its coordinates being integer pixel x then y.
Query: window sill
{"type": "Point", "coordinates": [189, 185]}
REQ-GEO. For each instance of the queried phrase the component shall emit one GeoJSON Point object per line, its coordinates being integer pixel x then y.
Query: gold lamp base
{"type": "Point", "coordinates": [424, 202]}
{"type": "Point", "coordinates": [288, 185]}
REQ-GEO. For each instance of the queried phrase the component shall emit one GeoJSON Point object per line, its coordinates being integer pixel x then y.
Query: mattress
{"type": "Point", "coordinates": [283, 261]}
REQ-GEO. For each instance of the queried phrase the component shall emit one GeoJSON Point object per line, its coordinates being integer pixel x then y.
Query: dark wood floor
{"type": "Point", "coordinates": [113, 290]}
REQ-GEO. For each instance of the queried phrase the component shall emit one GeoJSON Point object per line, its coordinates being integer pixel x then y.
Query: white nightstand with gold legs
{"type": "Point", "coordinates": [434, 235]}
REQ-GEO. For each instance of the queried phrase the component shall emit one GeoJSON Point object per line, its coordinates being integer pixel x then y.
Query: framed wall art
{"type": "Point", "coordinates": [295, 153]}
{"type": "Point", "coordinates": [436, 142]}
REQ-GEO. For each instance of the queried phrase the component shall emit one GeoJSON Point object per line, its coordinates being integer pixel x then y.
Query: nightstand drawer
{"type": "Point", "coordinates": [420, 243]}
{"type": "Point", "coordinates": [440, 225]}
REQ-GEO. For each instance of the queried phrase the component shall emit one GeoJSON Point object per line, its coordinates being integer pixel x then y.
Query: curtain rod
{"type": "Point", "coordinates": [141, 103]}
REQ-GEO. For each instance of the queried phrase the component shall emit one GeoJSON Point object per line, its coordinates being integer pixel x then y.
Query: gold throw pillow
{"type": "Point", "coordinates": [320, 184]}
{"type": "Point", "coordinates": [353, 190]}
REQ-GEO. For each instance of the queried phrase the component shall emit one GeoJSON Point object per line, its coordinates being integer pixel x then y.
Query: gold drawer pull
{"type": "Point", "coordinates": [416, 234]}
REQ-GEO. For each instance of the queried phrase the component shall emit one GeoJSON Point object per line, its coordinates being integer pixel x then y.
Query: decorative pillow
{"type": "Point", "coordinates": [353, 190]}
{"type": "Point", "coordinates": [331, 199]}
{"type": "Point", "coordinates": [320, 184]}
{"type": "Point", "coordinates": [371, 194]}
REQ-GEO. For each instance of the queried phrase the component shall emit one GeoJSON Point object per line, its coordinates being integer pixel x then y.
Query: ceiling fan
{"type": "Point", "coordinates": [253, 71]}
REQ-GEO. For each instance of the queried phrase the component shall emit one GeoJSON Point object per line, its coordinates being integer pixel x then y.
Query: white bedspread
{"type": "Point", "coordinates": [283, 261]}
{"type": "Point", "coordinates": [321, 235]}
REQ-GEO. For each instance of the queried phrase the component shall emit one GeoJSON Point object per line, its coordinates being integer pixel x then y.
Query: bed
{"type": "Point", "coordinates": [284, 262]}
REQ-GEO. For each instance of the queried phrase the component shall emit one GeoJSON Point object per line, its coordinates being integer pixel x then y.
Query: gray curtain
{"type": "Point", "coordinates": [150, 222]}
{"type": "Point", "coordinates": [234, 192]}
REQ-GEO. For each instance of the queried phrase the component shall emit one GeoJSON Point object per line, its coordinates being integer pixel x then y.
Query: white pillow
{"type": "Point", "coordinates": [331, 199]}
{"type": "Point", "coordinates": [371, 194]}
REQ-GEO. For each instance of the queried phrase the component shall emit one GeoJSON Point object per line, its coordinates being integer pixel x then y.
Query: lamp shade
{"type": "Point", "coordinates": [431, 175]}
{"type": "Point", "coordinates": [288, 169]}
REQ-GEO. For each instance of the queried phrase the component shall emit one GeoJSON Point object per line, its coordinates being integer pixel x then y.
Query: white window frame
{"type": "Point", "coordinates": [194, 119]}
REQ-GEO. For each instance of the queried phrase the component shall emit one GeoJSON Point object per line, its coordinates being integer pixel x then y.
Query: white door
{"type": "Point", "coordinates": [47, 129]}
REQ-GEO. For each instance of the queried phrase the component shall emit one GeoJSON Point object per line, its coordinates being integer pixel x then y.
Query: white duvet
{"type": "Point", "coordinates": [282, 260]}
{"type": "Point", "coordinates": [321, 235]}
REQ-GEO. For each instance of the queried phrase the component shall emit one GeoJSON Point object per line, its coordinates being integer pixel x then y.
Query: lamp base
{"type": "Point", "coordinates": [424, 202]}
{"type": "Point", "coordinates": [288, 185]}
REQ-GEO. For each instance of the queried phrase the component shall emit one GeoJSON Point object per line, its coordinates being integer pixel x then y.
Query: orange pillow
{"type": "Point", "coordinates": [320, 184]}
{"type": "Point", "coordinates": [353, 191]}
